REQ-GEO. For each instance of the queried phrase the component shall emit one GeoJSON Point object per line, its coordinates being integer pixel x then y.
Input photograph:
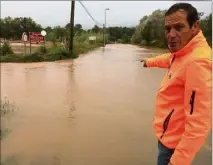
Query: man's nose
{"type": "Point", "coordinates": [172, 33]}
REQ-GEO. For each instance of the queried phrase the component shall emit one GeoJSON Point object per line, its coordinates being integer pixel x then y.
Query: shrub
{"type": "Point", "coordinates": [34, 57]}
{"type": "Point", "coordinates": [5, 49]}
{"type": "Point", "coordinates": [10, 58]}
{"type": "Point", "coordinates": [42, 49]}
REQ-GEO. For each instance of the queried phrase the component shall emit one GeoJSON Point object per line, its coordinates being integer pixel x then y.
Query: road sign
{"type": "Point", "coordinates": [43, 33]}
{"type": "Point", "coordinates": [92, 38]}
{"type": "Point", "coordinates": [24, 37]}
{"type": "Point", "coordinates": [36, 37]}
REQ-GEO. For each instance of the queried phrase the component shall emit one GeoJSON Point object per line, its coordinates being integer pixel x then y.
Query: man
{"type": "Point", "coordinates": [182, 118]}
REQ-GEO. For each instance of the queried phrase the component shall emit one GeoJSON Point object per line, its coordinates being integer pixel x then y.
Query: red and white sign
{"type": "Point", "coordinates": [36, 37]}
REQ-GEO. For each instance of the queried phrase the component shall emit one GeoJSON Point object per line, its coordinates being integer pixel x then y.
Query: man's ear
{"type": "Point", "coordinates": [197, 24]}
{"type": "Point", "coordinates": [196, 27]}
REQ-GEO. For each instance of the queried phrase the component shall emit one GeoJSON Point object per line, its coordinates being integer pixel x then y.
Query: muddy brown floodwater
{"type": "Point", "coordinates": [94, 110]}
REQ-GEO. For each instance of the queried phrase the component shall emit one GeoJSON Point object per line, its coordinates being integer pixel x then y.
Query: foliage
{"type": "Point", "coordinates": [12, 28]}
{"type": "Point", "coordinates": [42, 49]}
{"type": "Point", "coordinates": [206, 26]}
{"type": "Point", "coordinates": [6, 107]}
{"type": "Point", "coordinates": [120, 34]}
{"type": "Point", "coordinates": [150, 30]}
{"type": "Point", "coordinates": [56, 34]}
{"type": "Point", "coordinates": [96, 29]}
{"type": "Point", "coordinates": [51, 36]}
{"type": "Point", "coordinates": [5, 49]}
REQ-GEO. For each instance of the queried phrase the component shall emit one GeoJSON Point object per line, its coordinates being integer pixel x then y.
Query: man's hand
{"type": "Point", "coordinates": [170, 163]}
{"type": "Point", "coordinates": [144, 61]}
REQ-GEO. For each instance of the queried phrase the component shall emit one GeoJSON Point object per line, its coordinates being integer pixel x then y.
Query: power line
{"type": "Point", "coordinates": [96, 22]}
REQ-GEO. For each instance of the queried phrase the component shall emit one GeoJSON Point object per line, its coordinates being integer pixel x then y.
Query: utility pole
{"type": "Point", "coordinates": [71, 25]}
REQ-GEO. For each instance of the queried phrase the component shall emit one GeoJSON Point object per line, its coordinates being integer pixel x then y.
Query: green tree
{"type": "Point", "coordinates": [60, 33]}
{"type": "Point", "coordinates": [120, 34]}
{"type": "Point", "coordinates": [12, 28]}
{"type": "Point", "coordinates": [78, 27]}
{"type": "Point", "coordinates": [206, 26]}
{"type": "Point", "coordinates": [95, 29]}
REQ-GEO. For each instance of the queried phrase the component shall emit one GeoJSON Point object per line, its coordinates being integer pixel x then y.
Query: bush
{"type": "Point", "coordinates": [5, 49]}
{"type": "Point", "coordinates": [58, 53]}
{"type": "Point", "coordinates": [10, 58]}
{"type": "Point", "coordinates": [42, 49]}
{"type": "Point", "coordinates": [62, 51]}
{"type": "Point", "coordinates": [34, 57]}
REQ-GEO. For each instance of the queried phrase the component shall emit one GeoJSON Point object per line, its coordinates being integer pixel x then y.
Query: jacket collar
{"type": "Point", "coordinates": [198, 41]}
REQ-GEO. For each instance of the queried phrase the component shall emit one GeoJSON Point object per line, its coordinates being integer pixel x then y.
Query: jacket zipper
{"type": "Point", "coordinates": [192, 102]}
{"type": "Point", "coordinates": [173, 59]}
{"type": "Point", "coordinates": [166, 123]}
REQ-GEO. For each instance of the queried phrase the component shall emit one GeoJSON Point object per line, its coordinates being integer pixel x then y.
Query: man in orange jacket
{"type": "Point", "coordinates": [183, 112]}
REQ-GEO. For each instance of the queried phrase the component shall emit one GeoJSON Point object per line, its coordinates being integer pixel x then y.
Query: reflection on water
{"type": "Point", "coordinates": [94, 110]}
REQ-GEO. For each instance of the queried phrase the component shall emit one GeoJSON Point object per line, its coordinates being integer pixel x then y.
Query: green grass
{"type": "Point", "coordinates": [4, 133]}
{"type": "Point", "coordinates": [9, 160]}
{"type": "Point", "coordinates": [6, 108]}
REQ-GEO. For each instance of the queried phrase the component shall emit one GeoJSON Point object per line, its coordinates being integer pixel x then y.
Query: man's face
{"type": "Point", "coordinates": [177, 30]}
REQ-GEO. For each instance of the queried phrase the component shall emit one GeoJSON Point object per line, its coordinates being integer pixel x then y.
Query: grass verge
{"type": "Point", "coordinates": [54, 53]}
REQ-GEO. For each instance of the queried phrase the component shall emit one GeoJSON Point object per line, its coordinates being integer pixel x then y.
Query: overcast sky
{"type": "Point", "coordinates": [121, 13]}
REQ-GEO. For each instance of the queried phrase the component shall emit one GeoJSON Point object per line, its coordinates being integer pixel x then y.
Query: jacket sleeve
{"type": "Point", "coordinates": [160, 61]}
{"type": "Point", "coordinates": [198, 111]}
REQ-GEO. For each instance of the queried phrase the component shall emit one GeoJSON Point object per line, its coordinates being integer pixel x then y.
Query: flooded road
{"type": "Point", "coordinates": [94, 110]}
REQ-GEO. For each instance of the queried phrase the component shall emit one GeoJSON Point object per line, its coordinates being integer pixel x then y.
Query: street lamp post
{"type": "Point", "coordinates": [105, 26]}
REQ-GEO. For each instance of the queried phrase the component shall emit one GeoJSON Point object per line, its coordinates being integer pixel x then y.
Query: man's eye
{"type": "Point", "coordinates": [167, 29]}
{"type": "Point", "coordinates": [178, 27]}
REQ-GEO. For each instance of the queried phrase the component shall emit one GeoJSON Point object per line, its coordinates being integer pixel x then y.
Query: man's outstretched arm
{"type": "Point", "coordinates": [160, 61]}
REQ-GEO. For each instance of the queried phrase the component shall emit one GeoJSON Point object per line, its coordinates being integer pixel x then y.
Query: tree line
{"type": "Point", "coordinates": [149, 31]}
{"type": "Point", "coordinates": [12, 29]}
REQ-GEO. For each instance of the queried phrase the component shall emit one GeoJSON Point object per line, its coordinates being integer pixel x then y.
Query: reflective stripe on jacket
{"type": "Point", "coordinates": [183, 112]}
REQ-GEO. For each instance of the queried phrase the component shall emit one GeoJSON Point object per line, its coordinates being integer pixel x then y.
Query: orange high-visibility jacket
{"type": "Point", "coordinates": [183, 112]}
